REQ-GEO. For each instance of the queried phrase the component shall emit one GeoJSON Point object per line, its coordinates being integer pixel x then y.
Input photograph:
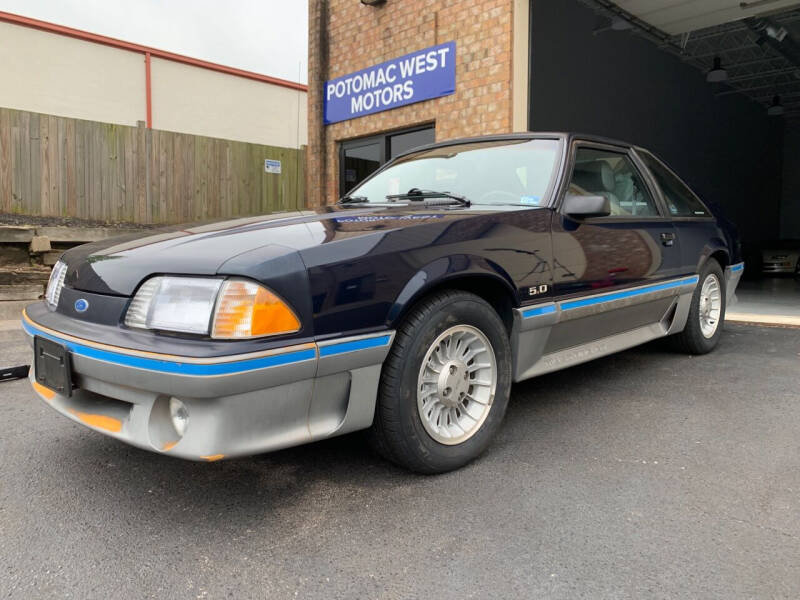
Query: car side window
{"type": "Point", "coordinates": [681, 201]}
{"type": "Point", "coordinates": [612, 175]}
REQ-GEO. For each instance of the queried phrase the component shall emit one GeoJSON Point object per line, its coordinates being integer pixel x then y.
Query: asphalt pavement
{"type": "Point", "coordinates": [648, 474]}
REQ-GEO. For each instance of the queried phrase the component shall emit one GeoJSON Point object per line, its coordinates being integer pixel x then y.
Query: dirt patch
{"type": "Point", "coordinates": [36, 221]}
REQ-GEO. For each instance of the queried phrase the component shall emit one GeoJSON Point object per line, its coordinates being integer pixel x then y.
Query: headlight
{"type": "Point", "coordinates": [56, 283]}
{"type": "Point", "coordinates": [226, 309]}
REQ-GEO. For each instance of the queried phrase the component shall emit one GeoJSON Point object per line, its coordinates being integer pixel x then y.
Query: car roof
{"type": "Point", "coordinates": [526, 135]}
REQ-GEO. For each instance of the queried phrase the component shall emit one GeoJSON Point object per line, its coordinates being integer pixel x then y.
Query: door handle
{"type": "Point", "coordinates": [668, 238]}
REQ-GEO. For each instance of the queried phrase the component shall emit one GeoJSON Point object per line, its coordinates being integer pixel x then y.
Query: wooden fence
{"type": "Point", "coordinates": [56, 166]}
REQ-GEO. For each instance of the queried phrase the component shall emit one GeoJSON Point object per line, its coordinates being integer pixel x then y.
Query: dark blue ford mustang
{"type": "Point", "coordinates": [407, 309]}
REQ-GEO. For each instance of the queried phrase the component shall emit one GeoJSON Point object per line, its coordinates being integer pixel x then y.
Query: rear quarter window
{"type": "Point", "coordinates": [680, 200]}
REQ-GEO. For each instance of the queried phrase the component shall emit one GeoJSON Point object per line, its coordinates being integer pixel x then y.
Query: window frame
{"type": "Point", "coordinates": [383, 140]}
{"type": "Point", "coordinates": [709, 216]}
{"type": "Point", "coordinates": [645, 176]}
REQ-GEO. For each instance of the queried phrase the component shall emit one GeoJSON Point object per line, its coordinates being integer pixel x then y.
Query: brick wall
{"type": "Point", "coordinates": [345, 36]}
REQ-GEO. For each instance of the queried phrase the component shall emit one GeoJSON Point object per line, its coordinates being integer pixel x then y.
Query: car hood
{"type": "Point", "coordinates": [116, 266]}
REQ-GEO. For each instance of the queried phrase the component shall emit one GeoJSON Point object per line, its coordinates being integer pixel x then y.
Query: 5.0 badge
{"type": "Point", "coordinates": [538, 290]}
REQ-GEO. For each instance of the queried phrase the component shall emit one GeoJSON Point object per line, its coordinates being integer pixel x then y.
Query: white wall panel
{"type": "Point", "coordinates": [59, 75]}
{"type": "Point", "coordinates": [205, 102]}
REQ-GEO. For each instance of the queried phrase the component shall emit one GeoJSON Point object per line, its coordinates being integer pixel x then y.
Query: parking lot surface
{"type": "Point", "coordinates": [646, 474]}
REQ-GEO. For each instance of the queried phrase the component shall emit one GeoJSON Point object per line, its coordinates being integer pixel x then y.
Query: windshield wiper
{"type": "Point", "coordinates": [418, 194]}
{"type": "Point", "coordinates": [352, 199]}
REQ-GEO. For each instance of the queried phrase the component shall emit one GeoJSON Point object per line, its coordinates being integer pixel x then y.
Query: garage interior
{"type": "Point", "coordinates": [712, 87]}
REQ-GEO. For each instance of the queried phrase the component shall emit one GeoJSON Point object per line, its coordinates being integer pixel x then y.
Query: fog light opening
{"type": "Point", "coordinates": [179, 415]}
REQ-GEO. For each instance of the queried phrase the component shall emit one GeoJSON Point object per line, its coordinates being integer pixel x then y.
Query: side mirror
{"type": "Point", "coordinates": [586, 206]}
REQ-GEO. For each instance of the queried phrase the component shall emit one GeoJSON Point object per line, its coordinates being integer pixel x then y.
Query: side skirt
{"type": "Point", "coordinates": [586, 352]}
{"type": "Point", "coordinates": [533, 325]}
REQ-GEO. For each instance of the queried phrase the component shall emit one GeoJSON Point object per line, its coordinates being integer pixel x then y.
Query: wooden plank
{"type": "Point", "coordinates": [106, 169]}
{"type": "Point", "coordinates": [35, 176]}
{"type": "Point", "coordinates": [28, 291]}
{"type": "Point", "coordinates": [213, 180]}
{"type": "Point", "coordinates": [142, 173]}
{"type": "Point", "coordinates": [119, 180]}
{"type": "Point", "coordinates": [228, 166]}
{"type": "Point", "coordinates": [13, 276]}
{"type": "Point", "coordinates": [95, 175]}
{"type": "Point", "coordinates": [44, 141]}
{"type": "Point", "coordinates": [53, 165]}
{"type": "Point", "coordinates": [23, 163]}
{"type": "Point", "coordinates": [166, 169]}
{"type": "Point", "coordinates": [17, 166]}
{"type": "Point", "coordinates": [80, 168]}
{"type": "Point", "coordinates": [78, 234]}
{"type": "Point", "coordinates": [128, 136]}
{"type": "Point", "coordinates": [5, 160]}
{"type": "Point", "coordinates": [61, 172]}
{"type": "Point", "coordinates": [190, 206]}
{"type": "Point", "coordinates": [11, 234]}
{"type": "Point", "coordinates": [71, 187]}
{"type": "Point", "coordinates": [99, 205]}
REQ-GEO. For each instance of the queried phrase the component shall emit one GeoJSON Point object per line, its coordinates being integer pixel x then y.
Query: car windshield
{"type": "Point", "coordinates": [516, 172]}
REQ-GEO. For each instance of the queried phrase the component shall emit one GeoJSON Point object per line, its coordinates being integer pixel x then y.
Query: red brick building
{"type": "Point", "coordinates": [346, 36]}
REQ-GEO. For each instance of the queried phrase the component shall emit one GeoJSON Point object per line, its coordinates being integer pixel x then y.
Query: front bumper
{"type": "Point", "coordinates": [237, 404]}
{"type": "Point", "coordinates": [784, 267]}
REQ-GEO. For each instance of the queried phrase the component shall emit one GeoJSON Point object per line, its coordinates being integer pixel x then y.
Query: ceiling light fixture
{"type": "Point", "coordinates": [776, 109]}
{"type": "Point", "coordinates": [717, 73]}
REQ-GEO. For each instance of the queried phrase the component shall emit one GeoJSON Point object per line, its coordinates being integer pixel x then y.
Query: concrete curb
{"type": "Point", "coordinates": [762, 319]}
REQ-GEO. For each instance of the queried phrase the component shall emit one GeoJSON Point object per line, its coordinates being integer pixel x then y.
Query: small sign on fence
{"type": "Point", "coordinates": [272, 166]}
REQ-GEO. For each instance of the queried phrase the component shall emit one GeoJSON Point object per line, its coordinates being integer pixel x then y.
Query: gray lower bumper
{"type": "Point", "coordinates": [296, 395]}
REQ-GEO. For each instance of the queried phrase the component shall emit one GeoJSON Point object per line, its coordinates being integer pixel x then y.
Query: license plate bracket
{"type": "Point", "coordinates": [53, 365]}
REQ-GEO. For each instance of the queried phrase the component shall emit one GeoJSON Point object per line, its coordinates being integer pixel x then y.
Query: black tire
{"type": "Point", "coordinates": [398, 433]}
{"type": "Point", "coordinates": [692, 340]}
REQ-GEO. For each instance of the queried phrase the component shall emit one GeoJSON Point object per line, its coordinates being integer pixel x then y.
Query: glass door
{"type": "Point", "coordinates": [358, 159]}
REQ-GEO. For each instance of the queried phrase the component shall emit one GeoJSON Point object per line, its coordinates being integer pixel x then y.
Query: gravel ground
{"type": "Point", "coordinates": [647, 474]}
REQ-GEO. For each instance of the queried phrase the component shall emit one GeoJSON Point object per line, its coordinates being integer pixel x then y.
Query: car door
{"type": "Point", "coordinates": [609, 272]}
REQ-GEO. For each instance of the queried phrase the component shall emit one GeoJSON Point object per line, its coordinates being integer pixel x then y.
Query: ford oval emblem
{"type": "Point", "coordinates": [81, 305]}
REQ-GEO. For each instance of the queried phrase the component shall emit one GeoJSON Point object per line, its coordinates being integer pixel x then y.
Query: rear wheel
{"type": "Point", "coordinates": [707, 312]}
{"type": "Point", "coordinates": [445, 384]}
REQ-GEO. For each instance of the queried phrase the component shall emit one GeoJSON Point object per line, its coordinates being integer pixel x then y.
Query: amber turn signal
{"type": "Point", "coordinates": [246, 309]}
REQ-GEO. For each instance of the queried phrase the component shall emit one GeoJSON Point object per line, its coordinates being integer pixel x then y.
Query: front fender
{"type": "Point", "coordinates": [442, 271]}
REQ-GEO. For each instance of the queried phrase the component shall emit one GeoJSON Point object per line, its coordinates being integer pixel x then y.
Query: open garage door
{"type": "Point", "coordinates": [712, 87]}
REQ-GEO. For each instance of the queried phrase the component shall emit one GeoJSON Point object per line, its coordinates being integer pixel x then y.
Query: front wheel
{"type": "Point", "coordinates": [707, 312]}
{"type": "Point", "coordinates": [445, 384]}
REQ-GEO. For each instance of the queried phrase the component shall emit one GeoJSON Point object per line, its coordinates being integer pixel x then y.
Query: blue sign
{"type": "Point", "coordinates": [422, 75]}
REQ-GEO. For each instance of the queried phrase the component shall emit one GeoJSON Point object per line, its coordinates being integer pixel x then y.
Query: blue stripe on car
{"type": "Point", "coordinates": [364, 344]}
{"type": "Point", "coordinates": [737, 267]}
{"type": "Point", "coordinates": [540, 310]}
{"type": "Point", "coordinates": [176, 367]}
{"type": "Point", "coordinates": [573, 304]}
